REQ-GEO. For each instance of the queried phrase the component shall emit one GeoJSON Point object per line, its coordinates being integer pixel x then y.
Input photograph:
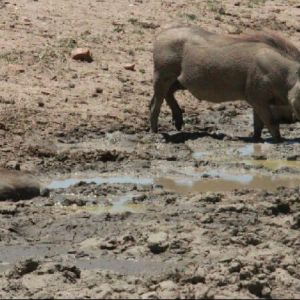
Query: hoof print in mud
{"type": "Point", "coordinates": [157, 242]}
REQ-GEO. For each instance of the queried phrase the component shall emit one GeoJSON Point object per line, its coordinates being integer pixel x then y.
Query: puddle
{"type": "Point", "coordinates": [12, 254]}
{"type": "Point", "coordinates": [118, 206]}
{"type": "Point", "coordinates": [199, 155]}
{"type": "Point", "coordinates": [253, 150]}
{"type": "Point", "coordinates": [128, 267]}
{"type": "Point", "coordinates": [66, 183]}
{"type": "Point", "coordinates": [228, 182]}
{"type": "Point", "coordinates": [274, 164]}
{"type": "Point", "coordinates": [241, 151]}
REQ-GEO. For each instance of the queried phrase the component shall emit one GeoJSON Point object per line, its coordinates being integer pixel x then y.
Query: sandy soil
{"type": "Point", "coordinates": [203, 213]}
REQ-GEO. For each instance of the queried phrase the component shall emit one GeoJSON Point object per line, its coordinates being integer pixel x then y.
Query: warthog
{"type": "Point", "coordinates": [261, 68]}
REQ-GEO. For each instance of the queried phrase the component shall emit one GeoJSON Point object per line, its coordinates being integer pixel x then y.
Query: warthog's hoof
{"type": "Point", "coordinates": [153, 129]}
{"type": "Point", "coordinates": [256, 139]}
{"type": "Point", "coordinates": [178, 124]}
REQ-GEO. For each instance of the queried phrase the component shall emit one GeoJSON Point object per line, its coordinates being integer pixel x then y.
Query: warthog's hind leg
{"type": "Point", "coordinates": [264, 116]}
{"type": "Point", "coordinates": [173, 104]}
{"type": "Point", "coordinates": [258, 127]}
{"type": "Point", "coordinates": [161, 88]}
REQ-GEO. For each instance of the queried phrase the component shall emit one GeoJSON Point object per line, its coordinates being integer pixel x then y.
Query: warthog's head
{"type": "Point", "coordinates": [294, 96]}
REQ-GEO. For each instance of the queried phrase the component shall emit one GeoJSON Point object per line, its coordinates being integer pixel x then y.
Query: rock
{"type": "Point", "coordinates": [234, 267]}
{"type": "Point", "coordinates": [255, 287]}
{"type": "Point", "coordinates": [110, 244]}
{"type": "Point", "coordinates": [130, 67]}
{"type": "Point", "coordinates": [24, 267]}
{"type": "Point", "coordinates": [16, 69]}
{"type": "Point", "coordinates": [16, 185]}
{"type": "Point", "coordinates": [293, 157]}
{"type": "Point", "coordinates": [44, 192]}
{"type": "Point", "coordinates": [202, 291]}
{"type": "Point", "coordinates": [104, 67]}
{"type": "Point", "coordinates": [13, 165]}
{"type": "Point", "coordinates": [157, 242]}
{"type": "Point", "coordinates": [83, 54]}
{"type": "Point", "coordinates": [168, 285]}
{"type": "Point", "coordinates": [41, 103]}
{"type": "Point", "coordinates": [168, 295]}
{"type": "Point", "coordinates": [296, 221]}
{"type": "Point", "coordinates": [8, 209]}
{"type": "Point", "coordinates": [150, 295]}
{"type": "Point", "coordinates": [233, 29]}
{"type": "Point", "coordinates": [99, 90]}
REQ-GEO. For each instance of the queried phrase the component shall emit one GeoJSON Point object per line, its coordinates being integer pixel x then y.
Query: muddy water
{"type": "Point", "coordinates": [210, 181]}
{"type": "Point", "coordinates": [12, 254]}
{"type": "Point", "coordinates": [66, 183]}
{"type": "Point", "coordinates": [227, 182]}
{"type": "Point", "coordinates": [118, 206]}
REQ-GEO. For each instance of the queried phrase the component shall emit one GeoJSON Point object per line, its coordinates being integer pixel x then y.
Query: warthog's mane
{"type": "Point", "coordinates": [272, 39]}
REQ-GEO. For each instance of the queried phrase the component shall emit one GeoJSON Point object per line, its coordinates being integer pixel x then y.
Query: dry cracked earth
{"type": "Point", "coordinates": [113, 210]}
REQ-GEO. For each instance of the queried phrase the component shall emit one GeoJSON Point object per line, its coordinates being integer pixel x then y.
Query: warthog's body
{"type": "Point", "coordinates": [261, 69]}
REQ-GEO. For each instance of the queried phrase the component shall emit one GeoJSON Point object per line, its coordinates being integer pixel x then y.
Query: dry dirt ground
{"type": "Point", "coordinates": [199, 214]}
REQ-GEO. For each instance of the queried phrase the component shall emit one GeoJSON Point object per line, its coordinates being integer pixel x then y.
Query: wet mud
{"type": "Point", "coordinates": [111, 210]}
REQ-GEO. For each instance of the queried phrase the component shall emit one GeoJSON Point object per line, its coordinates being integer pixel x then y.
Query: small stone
{"type": "Point", "coordinates": [104, 67]}
{"type": "Point", "coordinates": [296, 221]}
{"type": "Point", "coordinates": [83, 54]}
{"type": "Point", "coordinates": [130, 67]}
{"type": "Point", "coordinates": [150, 295]}
{"type": "Point", "coordinates": [168, 285]}
{"type": "Point", "coordinates": [99, 90]}
{"type": "Point", "coordinates": [45, 192]}
{"type": "Point", "coordinates": [41, 103]}
{"type": "Point", "coordinates": [13, 165]}
{"type": "Point", "coordinates": [234, 267]}
{"type": "Point", "coordinates": [157, 242]}
{"type": "Point", "coordinates": [293, 157]}
{"type": "Point", "coordinates": [71, 85]}
{"type": "Point", "coordinates": [8, 209]}
{"type": "Point", "coordinates": [266, 292]}
{"type": "Point", "coordinates": [24, 267]}
{"type": "Point", "coordinates": [16, 69]}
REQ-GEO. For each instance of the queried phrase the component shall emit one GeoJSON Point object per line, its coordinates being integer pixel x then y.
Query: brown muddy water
{"type": "Point", "coordinates": [210, 181]}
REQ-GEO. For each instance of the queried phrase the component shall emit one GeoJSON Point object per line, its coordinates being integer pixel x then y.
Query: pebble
{"type": "Point", "coordinates": [157, 242]}
{"type": "Point", "coordinates": [129, 67]}
{"type": "Point", "coordinates": [83, 54]}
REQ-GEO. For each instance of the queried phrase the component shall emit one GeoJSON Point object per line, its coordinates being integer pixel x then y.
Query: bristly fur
{"type": "Point", "coordinates": [274, 40]}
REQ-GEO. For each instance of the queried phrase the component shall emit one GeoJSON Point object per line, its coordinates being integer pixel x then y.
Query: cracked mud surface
{"type": "Point", "coordinates": [202, 213]}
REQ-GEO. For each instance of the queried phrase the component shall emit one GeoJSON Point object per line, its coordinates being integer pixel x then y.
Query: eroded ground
{"type": "Point", "coordinates": [203, 213]}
